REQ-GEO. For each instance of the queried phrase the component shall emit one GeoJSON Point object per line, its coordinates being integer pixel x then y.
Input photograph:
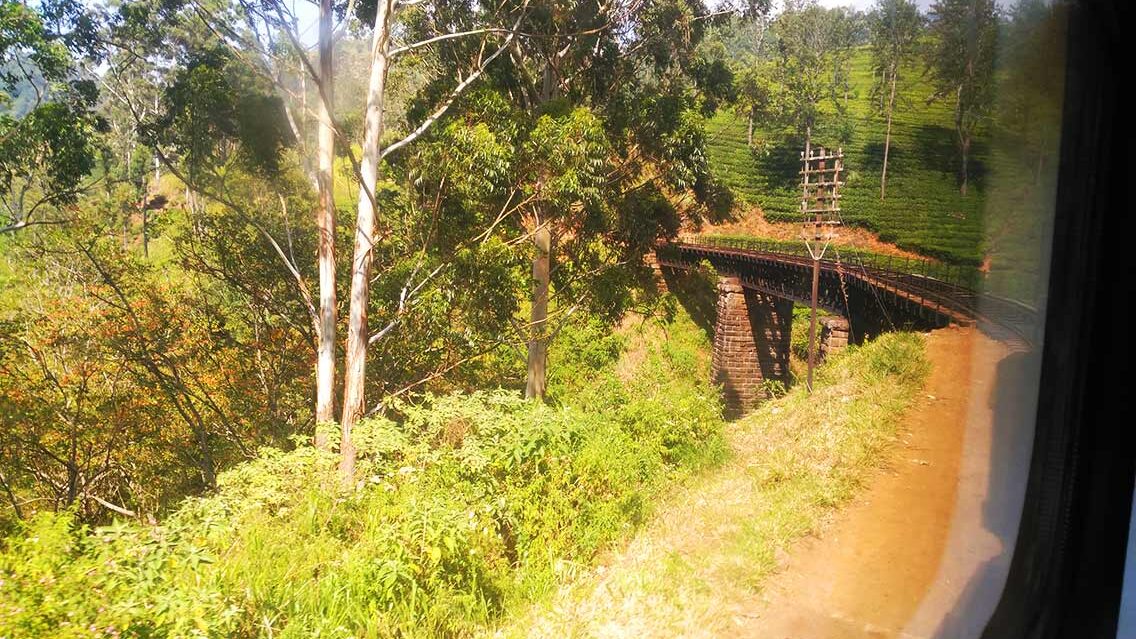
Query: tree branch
{"type": "Point", "coordinates": [457, 91]}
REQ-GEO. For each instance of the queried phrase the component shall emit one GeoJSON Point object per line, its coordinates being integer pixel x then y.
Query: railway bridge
{"type": "Point", "coordinates": [865, 294]}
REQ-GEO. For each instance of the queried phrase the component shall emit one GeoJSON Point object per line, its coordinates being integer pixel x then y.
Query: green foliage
{"type": "Point", "coordinates": [773, 388]}
{"type": "Point", "coordinates": [47, 126]}
{"type": "Point", "coordinates": [758, 93]}
{"type": "Point", "coordinates": [214, 102]}
{"type": "Point", "coordinates": [799, 338]}
{"type": "Point", "coordinates": [469, 502]}
{"type": "Point", "coordinates": [962, 65]}
{"type": "Point", "coordinates": [603, 143]}
{"type": "Point", "coordinates": [580, 350]}
{"type": "Point", "coordinates": [563, 160]}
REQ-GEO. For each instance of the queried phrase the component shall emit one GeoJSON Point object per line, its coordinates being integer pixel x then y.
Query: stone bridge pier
{"type": "Point", "coordinates": [752, 336]}
{"type": "Point", "coordinates": [751, 344]}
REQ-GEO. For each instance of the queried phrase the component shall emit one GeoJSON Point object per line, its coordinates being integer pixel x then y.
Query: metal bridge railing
{"type": "Point", "coordinates": [933, 273]}
{"type": "Point", "coordinates": [947, 286]}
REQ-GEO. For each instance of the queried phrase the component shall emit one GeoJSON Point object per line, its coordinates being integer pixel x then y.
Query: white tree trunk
{"type": "Point", "coordinates": [887, 138]}
{"type": "Point", "coordinates": [325, 223]}
{"type": "Point", "coordinates": [355, 368]}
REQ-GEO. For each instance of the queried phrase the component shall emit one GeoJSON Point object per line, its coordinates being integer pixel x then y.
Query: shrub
{"type": "Point", "coordinates": [468, 502]}
{"type": "Point", "coordinates": [773, 388]}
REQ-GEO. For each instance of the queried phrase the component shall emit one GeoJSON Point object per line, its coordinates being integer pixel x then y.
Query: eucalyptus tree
{"type": "Point", "coordinates": [325, 224]}
{"type": "Point", "coordinates": [428, 25]}
{"type": "Point", "coordinates": [896, 26]}
{"type": "Point", "coordinates": [274, 33]}
{"type": "Point", "coordinates": [268, 24]}
{"type": "Point", "coordinates": [253, 34]}
{"type": "Point", "coordinates": [961, 61]}
{"type": "Point", "coordinates": [222, 127]}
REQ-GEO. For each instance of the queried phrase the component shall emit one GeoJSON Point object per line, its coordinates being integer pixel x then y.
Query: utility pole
{"type": "Point", "coordinates": [820, 210]}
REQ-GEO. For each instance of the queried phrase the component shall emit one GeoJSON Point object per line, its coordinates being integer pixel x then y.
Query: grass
{"type": "Point", "coordinates": [712, 545]}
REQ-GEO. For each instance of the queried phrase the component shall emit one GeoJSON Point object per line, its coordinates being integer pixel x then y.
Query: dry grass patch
{"type": "Point", "coordinates": [698, 564]}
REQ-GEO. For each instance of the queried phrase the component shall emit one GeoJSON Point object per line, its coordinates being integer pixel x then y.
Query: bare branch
{"type": "Point", "coordinates": [118, 509]}
{"type": "Point", "coordinates": [432, 376]}
{"type": "Point", "coordinates": [446, 36]}
{"type": "Point", "coordinates": [457, 91]}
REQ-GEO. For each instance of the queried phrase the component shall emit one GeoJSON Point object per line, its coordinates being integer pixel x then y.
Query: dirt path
{"type": "Point", "coordinates": [919, 552]}
{"type": "Point", "coordinates": [869, 572]}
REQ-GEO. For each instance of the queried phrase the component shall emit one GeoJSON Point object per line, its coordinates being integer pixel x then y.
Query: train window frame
{"type": "Point", "coordinates": [1066, 573]}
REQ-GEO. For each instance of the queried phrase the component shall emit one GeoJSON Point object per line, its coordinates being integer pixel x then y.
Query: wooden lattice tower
{"type": "Point", "coordinates": [820, 196]}
{"type": "Point", "coordinates": [820, 210]}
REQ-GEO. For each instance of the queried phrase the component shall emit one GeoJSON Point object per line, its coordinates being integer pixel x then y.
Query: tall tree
{"type": "Point", "coordinates": [895, 27]}
{"type": "Point", "coordinates": [325, 224]}
{"type": "Point", "coordinates": [813, 46]}
{"type": "Point", "coordinates": [757, 95]}
{"type": "Point", "coordinates": [961, 61]}
{"type": "Point", "coordinates": [355, 348]}
{"type": "Point", "coordinates": [437, 23]}
{"type": "Point", "coordinates": [608, 102]}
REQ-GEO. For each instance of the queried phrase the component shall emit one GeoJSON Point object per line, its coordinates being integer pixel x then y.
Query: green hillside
{"type": "Point", "coordinates": [923, 211]}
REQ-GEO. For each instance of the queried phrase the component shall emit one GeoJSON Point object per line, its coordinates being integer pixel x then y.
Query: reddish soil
{"type": "Point", "coordinates": [753, 223]}
{"type": "Point", "coordinates": [879, 560]}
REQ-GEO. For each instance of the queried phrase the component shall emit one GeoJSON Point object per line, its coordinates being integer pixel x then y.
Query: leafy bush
{"type": "Point", "coordinates": [773, 388]}
{"type": "Point", "coordinates": [799, 337]}
{"type": "Point", "coordinates": [467, 503]}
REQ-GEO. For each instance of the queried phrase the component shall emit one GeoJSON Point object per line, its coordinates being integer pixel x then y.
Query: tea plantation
{"type": "Point", "coordinates": [923, 211]}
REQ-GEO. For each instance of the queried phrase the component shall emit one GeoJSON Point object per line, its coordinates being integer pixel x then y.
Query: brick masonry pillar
{"type": "Point", "coordinates": [751, 344]}
{"type": "Point", "coordinates": [652, 261]}
{"type": "Point", "coordinates": [833, 335]}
